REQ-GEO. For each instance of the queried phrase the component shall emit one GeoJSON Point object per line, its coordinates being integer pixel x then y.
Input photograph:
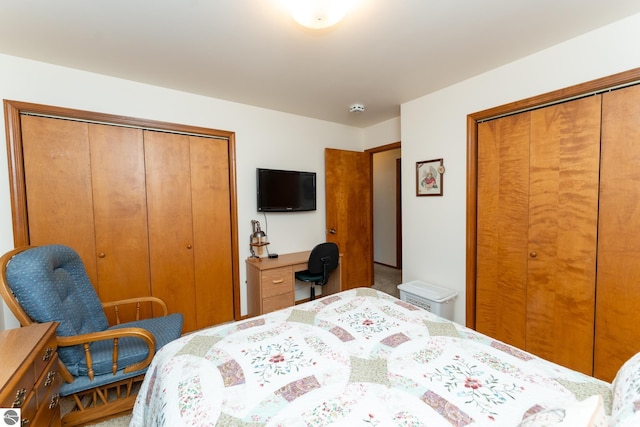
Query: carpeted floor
{"type": "Point", "coordinates": [386, 279]}
{"type": "Point", "coordinates": [116, 422]}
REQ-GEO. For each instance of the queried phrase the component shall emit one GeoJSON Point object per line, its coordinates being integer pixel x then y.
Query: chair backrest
{"type": "Point", "coordinates": [50, 284]}
{"type": "Point", "coordinates": [324, 259]}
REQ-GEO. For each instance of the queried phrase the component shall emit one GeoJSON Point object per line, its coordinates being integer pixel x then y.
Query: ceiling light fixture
{"type": "Point", "coordinates": [317, 14]}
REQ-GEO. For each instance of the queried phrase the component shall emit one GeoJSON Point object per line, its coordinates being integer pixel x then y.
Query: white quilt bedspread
{"type": "Point", "coordinates": [359, 357]}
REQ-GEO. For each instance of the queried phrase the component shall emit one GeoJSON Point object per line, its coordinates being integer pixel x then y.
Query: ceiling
{"type": "Point", "coordinates": [384, 53]}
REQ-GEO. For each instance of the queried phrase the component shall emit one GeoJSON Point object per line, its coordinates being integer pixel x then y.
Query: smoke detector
{"type": "Point", "coordinates": [356, 108]}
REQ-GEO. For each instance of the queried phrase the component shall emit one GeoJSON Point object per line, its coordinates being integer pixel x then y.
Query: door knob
{"type": "Point", "coordinates": [332, 231]}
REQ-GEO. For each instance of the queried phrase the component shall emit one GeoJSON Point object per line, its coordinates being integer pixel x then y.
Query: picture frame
{"type": "Point", "coordinates": [429, 177]}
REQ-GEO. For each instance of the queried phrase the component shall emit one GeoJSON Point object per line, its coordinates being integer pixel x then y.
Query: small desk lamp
{"type": "Point", "coordinates": [258, 239]}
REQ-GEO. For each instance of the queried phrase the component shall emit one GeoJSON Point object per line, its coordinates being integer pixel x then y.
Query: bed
{"type": "Point", "coordinates": [362, 357]}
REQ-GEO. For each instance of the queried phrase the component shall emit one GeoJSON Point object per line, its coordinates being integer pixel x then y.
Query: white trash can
{"type": "Point", "coordinates": [433, 298]}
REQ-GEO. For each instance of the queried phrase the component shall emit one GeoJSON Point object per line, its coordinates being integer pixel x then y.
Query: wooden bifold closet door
{"type": "Point", "coordinates": [538, 175]}
{"type": "Point", "coordinates": [617, 331]}
{"type": "Point", "coordinates": [148, 211]}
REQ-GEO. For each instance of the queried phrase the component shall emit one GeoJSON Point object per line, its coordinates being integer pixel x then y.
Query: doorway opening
{"type": "Point", "coordinates": [387, 217]}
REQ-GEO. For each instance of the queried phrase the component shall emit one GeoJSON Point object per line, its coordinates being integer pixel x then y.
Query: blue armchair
{"type": "Point", "coordinates": [99, 363]}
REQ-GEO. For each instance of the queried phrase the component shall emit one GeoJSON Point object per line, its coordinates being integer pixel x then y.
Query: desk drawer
{"type": "Point", "coordinates": [277, 281]}
{"type": "Point", "coordinates": [277, 302]}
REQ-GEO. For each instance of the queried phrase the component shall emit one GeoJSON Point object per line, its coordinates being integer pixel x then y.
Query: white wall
{"type": "Point", "coordinates": [264, 138]}
{"type": "Point", "coordinates": [384, 207]}
{"type": "Point", "coordinates": [434, 126]}
{"type": "Point", "coordinates": [382, 133]}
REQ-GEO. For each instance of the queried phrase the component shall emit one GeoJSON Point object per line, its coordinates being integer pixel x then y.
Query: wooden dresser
{"type": "Point", "coordinates": [29, 377]}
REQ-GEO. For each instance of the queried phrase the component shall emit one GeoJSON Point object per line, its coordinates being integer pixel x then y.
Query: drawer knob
{"type": "Point", "coordinates": [47, 354]}
{"type": "Point", "coordinates": [19, 399]}
{"type": "Point", "coordinates": [55, 399]}
{"type": "Point", "coordinates": [51, 375]}
{"type": "Point", "coordinates": [276, 281]}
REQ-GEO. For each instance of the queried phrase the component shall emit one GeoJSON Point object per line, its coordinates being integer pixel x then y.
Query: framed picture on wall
{"type": "Point", "coordinates": [429, 177]}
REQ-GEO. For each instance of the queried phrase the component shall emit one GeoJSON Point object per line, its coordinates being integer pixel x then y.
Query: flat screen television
{"type": "Point", "coordinates": [285, 191]}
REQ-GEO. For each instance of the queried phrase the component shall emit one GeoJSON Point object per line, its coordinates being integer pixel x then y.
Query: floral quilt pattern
{"type": "Point", "coordinates": [356, 358]}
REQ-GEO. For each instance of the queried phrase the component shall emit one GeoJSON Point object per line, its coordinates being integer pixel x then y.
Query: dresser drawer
{"type": "Point", "coordinates": [29, 408]}
{"type": "Point", "coordinates": [277, 302]}
{"type": "Point", "coordinates": [49, 411]}
{"type": "Point", "coordinates": [45, 354]}
{"type": "Point", "coordinates": [48, 385]}
{"type": "Point", "coordinates": [17, 395]}
{"type": "Point", "coordinates": [276, 281]}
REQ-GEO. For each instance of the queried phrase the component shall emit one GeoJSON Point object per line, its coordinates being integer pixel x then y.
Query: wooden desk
{"type": "Point", "coordinates": [271, 282]}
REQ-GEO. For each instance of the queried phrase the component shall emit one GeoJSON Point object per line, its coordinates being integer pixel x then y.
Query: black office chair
{"type": "Point", "coordinates": [322, 261]}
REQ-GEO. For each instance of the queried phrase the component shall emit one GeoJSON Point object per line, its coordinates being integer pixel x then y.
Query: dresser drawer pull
{"type": "Point", "coordinates": [55, 399]}
{"type": "Point", "coordinates": [51, 375]}
{"type": "Point", "coordinates": [276, 281]}
{"type": "Point", "coordinates": [20, 396]}
{"type": "Point", "coordinates": [25, 422]}
{"type": "Point", "coordinates": [47, 354]}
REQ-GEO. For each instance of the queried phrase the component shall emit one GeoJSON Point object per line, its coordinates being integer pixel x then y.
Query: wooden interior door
{"type": "Point", "coordinates": [213, 252]}
{"type": "Point", "coordinates": [57, 169]}
{"type": "Point", "coordinates": [563, 221]}
{"type": "Point", "coordinates": [120, 213]}
{"type": "Point", "coordinates": [617, 336]}
{"type": "Point", "coordinates": [168, 181]}
{"type": "Point", "coordinates": [348, 213]}
{"type": "Point", "coordinates": [503, 228]}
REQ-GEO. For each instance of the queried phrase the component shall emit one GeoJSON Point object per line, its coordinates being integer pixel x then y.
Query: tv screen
{"type": "Point", "coordinates": [286, 191]}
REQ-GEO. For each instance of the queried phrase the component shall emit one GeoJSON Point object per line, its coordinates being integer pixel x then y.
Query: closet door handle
{"type": "Point", "coordinates": [533, 254]}
{"type": "Point", "coordinates": [189, 246]}
{"type": "Point", "coordinates": [101, 255]}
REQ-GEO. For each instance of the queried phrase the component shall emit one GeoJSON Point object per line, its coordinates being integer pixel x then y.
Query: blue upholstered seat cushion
{"type": "Point", "coordinates": [130, 349]}
{"type": "Point", "coordinates": [51, 284]}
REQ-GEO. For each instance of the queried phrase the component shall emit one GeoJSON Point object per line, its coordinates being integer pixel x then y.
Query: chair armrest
{"type": "Point", "coordinates": [114, 334]}
{"type": "Point", "coordinates": [137, 302]}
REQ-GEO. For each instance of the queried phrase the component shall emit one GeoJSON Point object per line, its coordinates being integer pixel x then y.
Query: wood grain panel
{"type": "Point", "coordinates": [213, 252]}
{"type": "Point", "coordinates": [168, 180]}
{"type": "Point", "coordinates": [618, 296]}
{"type": "Point", "coordinates": [348, 212]}
{"type": "Point", "coordinates": [58, 186]}
{"type": "Point", "coordinates": [564, 176]}
{"type": "Point", "coordinates": [502, 228]}
{"type": "Point", "coordinates": [120, 213]}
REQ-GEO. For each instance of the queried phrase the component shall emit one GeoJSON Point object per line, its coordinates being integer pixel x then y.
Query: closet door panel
{"type": "Point", "coordinates": [120, 212]}
{"type": "Point", "coordinates": [210, 195]}
{"type": "Point", "coordinates": [618, 294]}
{"type": "Point", "coordinates": [563, 210]}
{"type": "Point", "coordinates": [168, 180]}
{"type": "Point", "coordinates": [502, 228]}
{"type": "Point", "coordinates": [58, 185]}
